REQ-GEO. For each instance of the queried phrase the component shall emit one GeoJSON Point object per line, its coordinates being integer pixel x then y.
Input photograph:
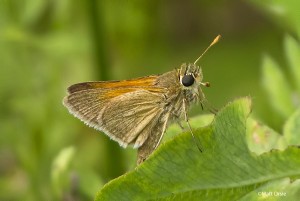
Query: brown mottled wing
{"type": "Point", "coordinates": [124, 111]}
{"type": "Point", "coordinates": [131, 117]}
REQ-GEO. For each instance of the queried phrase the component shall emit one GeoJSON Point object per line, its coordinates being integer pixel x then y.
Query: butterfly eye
{"type": "Point", "coordinates": [187, 80]}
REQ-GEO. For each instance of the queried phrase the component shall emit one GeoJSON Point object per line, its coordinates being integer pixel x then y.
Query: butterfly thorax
{"type": "Point", "coordinates": [182, 88]}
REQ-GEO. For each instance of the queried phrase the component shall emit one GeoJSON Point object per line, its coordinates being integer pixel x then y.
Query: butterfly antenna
{"type": "Point", "coordinates": [212, 43]}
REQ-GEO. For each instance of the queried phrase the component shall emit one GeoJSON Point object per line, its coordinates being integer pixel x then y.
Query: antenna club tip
{"type": "Point", "coordinates": [214, 42]}
{"type": "Point", "coordinates": [217, 39]}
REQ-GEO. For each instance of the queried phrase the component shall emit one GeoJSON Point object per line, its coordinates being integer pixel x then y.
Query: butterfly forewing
{"type": "Point", "coordinates": [124, 112]}
{"type": "Point", "coordinates": [138, 83]}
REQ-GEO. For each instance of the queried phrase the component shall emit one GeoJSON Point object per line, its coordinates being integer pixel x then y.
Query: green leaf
{"type": "Point", "coordinates": [225, 170]}
{"type": "Point", "coordinates": [279, 92]}
{"type": "Point", "coordinates": [292, 50]}
{"type": "Point", "coordinates": [261, 138]}
{"type": "Point", "coordinates": [288, 191]}
{"type": "Point", "coordinates": [291, 129]}
{"type": "Point", "coordinates": [59, 169]}
{"type": "Point", "coordinates": [285, 13]}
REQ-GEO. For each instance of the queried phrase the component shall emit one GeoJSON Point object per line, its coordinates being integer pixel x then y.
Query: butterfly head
{"type": "Point", "coordinates": [190, 77]}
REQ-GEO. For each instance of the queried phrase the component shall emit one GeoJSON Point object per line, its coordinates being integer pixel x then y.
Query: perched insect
{"type": "Point", "coordinates": [138, 111]}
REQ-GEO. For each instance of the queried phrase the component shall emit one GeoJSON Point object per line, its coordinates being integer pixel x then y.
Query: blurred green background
{"type": "Point", "coordinates": [47, 45]}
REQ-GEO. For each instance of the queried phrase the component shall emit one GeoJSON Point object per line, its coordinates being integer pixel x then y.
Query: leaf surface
{"type": "Point", "coordinates": [225, 170]}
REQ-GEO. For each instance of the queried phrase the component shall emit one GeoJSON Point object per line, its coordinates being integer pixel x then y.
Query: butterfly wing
{"type": "Point", "coordinates": [125, 111]}
{"type": "Point", "coordinates": [131, 117]}
{"type": "Point", "coordinates": [147, 83]}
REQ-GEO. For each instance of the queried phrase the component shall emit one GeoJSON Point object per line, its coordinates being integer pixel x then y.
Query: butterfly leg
{"type": "Point", "coordinates": [164, 129]}
{"type": "Point", "coordinates": [180, 125]}
{"type": "Point", "coordinates": [188, 123]}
